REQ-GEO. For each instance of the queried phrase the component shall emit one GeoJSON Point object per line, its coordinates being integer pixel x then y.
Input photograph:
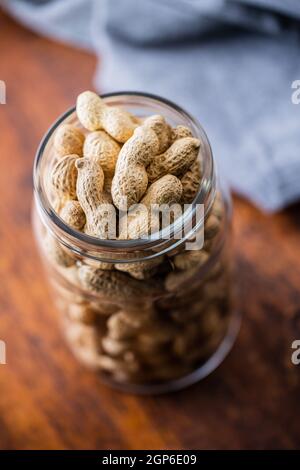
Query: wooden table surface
{"type": "Point", "coordinates": [47, 400]}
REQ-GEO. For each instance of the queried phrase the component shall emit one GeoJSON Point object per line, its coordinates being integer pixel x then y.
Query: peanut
{"type": "Point", "coordinates": [99, 264]}
{"type": "Point", "coordinates": [70, 282]}
{"type": "Point", "coordinates": [114, 347]}
{"type": "Point", "coordinates": [130, 180]}
{"type": "Point", "coordinates": [188, 336]}
{"type": "Point", "coordinates": [158, 332]}
{"type": "Point", "coordinates": [94, 201]}
{"type": "Point", "coordinates": [85, 343]}
{"type": "Point", "coordinates": [56, 253]}
{"type": "Point", "coordinates": [82, 313]}
{"type": "Point", "coordinates": [179, 132]}
{"type": "Point", "coordinates": [119, 328]}
{"type": "Point", "coordinates": [104, 308]}
{"type": "Point", "coordinates": [191, 259]}
{"type": "Point", "coordinates": [110, 364]}
{"type": "Point", "coordinates": [101, 146]}
{"type": "Point", "coordinates": [218, 206]}
{"type": "Point", "coordinates": [176, 160]}
{"type": "Point", "coordinates": [191, 182]}
{"type": "Point", "coordinates": [68, 140]}
{"type": "Point", "coordinates": [194, 308]}
{"type": "Point", "coordinates": [211, 226]}
{"type": "Point", "coordinates": [137, 318]}
{"type": "Point", "coordinates": [175, 279]}
{"type": "Point", "coordinates": [140, 269]}
{"type": "Point", "coordinates": [158, 124]}
{"type": "Point", "coordinates": [110, 284]}
{"type": "Point", "coordinates": [72, 213]}
{"type": "Point", "coordinates": [167, 190]}
{"type": "Point", "coordinates": [94, 114]}
{"type": "Point", "coordinates": [64, 177]}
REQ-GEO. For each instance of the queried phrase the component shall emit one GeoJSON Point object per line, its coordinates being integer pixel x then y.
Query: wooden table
{"type": "Point", "coordinates": [47, 400]}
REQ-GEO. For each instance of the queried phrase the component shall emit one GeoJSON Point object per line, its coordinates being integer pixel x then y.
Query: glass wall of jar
{"type": "Point", "coordinates": [146, 330]}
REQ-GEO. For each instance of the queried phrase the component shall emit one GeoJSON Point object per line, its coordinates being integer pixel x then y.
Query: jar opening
{"type": "Point", "coordinates": [141, 104]}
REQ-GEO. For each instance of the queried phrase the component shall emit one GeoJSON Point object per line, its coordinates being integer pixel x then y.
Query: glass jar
{"type": "Point", "coordinates": [143, 334]}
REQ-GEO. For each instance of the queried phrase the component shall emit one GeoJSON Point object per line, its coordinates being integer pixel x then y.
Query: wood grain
{"type": "Point", "coordinates": [47, 400]}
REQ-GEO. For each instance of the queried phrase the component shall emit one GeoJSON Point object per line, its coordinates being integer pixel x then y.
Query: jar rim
{"type": "Point", "coordinates": [89, 244]}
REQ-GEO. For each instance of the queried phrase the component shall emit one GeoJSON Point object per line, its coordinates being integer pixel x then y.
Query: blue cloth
{"type": "Point", "coordinates": [231, 63]}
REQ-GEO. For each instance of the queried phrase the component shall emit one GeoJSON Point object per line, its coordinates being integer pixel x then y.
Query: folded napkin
{"type": "Point", "coordinates": [231, 63]}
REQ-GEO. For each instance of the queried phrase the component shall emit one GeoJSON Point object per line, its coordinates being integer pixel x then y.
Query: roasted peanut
{"type": "Point", "coordinates": [140, 269]}
{"type": "Point", "coordinates": [174, 280]}
{"type": "Point", "coordinates": [101, 146]}
{"type": "Point", "coordinates": [72, 213]}
{"type": "Point", "coordinates": [57, 253]}
{"type": "Point", "coordinates": [167, 190]}
{"type": "Point", "coordinates": [64, 177]}
{"type": "Point", "coordinates": [85, 343]}
{"type": "Point", "coordinates": [190, 259]}
{"type": "Point", "coordinates": [162, 129]}
{"type": "Point", "coordinates": [100, 214]}
{"type": "Point", "coordinates": [179, 132]}
{"type": "Point", "coordinates": [176, 160]}
{"type": "Point", "coordinates": [115, 347]}
{"type": "Point", "coordinates": [82, 313]}
{"type": "Point", "coordinates": [68, 140]}
{"type": "Point", "coordinates": [211, 227]}
{"type": "Point", "coordinates": [191, 182]}
{"type": "Point", "coordinates": [104, 308]}
{"type": "Point", "coordinates": [94, 115]}
{"type": "Point", "coordinates": [110, 364]}
{"type": "Point", "coordinates": [114, 285]}
{"type": "Point", "coordinates": [120, 327]}
{"type": "Point", "coordinates": [130, 180]}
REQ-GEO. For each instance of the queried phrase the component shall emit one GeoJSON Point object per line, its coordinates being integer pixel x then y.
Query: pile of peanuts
{"type": "Point", "coordinates": [137, 322]}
